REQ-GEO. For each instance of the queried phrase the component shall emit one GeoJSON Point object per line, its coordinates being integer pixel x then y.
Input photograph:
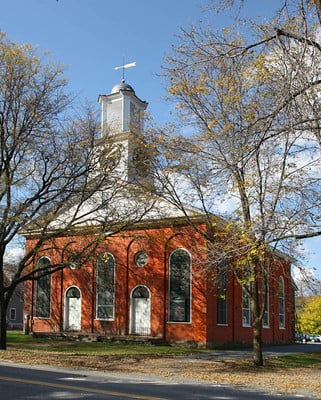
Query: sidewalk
{"type": "Point", "coordinates": [269, 351]}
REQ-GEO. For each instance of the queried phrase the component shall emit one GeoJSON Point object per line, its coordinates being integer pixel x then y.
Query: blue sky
{"type": "Point", "coordinates": [90, 37]}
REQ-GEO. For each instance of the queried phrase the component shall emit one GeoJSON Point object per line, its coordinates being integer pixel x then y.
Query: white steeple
{"type": "Point", "coordinates": [122, 133]}
{"type": "Point", "coordinates": [122, 110]}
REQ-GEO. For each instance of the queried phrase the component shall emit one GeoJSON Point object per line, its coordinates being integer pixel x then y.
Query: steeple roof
{"type": "Point", "coordinates": [123, 86]}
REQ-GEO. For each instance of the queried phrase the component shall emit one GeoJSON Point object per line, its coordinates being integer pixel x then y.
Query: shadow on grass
{"type": "Point", "coordinates": [104, 351]}
{"type": "Point", "coordinates": [19, 341]}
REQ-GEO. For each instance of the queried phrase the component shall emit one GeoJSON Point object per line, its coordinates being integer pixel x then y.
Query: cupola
{"type": "Point", "coordinates": [122, 110]}
{"type": "Point", "coordinates": [121, 142]}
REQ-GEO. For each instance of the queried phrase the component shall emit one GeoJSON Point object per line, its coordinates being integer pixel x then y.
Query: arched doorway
{"type": "Point", "coordinates": [140, 311]}
{"type": "Point", "coordinates": [72, 309]}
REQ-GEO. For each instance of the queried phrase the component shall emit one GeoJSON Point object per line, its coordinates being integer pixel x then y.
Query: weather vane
{"type": "Point", "coordinates": [129, 65]}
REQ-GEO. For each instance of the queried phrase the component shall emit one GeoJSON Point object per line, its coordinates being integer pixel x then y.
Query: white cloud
{"type": "Point", "coordinates": [307, 281]}
{"type": "Point", "coordinates": [13, 255]}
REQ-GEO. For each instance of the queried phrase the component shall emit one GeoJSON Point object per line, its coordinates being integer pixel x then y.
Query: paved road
{"type": "Point", "coordinates": [30, 383]}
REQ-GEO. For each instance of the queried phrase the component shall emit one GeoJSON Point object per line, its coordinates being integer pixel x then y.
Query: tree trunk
{"type": "Point", "coordinates": [257, 325]}
{"type": "Point", "coordinates": [3, 327]}
{"type": "Point", "coordinates": [257, 343]}
{"type": "Point", "coordinates": [3, 307]}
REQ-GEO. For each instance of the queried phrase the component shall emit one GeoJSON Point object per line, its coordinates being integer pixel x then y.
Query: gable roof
{"type": "Point", "coordinates": [131, 205]}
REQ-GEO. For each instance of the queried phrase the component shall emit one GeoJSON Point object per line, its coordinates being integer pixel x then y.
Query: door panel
{"type": "Point", "coordinates": [140, 312]}
{"type": "Point", "coordinates": [73, 310]}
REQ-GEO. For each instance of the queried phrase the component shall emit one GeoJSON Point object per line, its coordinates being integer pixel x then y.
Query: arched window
{"type": "Point", "coordinates": [43, 288]}
{"type": "Point", "coordinates": [265, 297]}
{"type": "Point", "coordinates": [246, 302]}
{"type": "Point", "coordinates": [281, 303]}
{"type": "Point", "coordinates": [179, 286]}
{"type": "Point", "coordinates": [222, 293]}
{"type": "Point", "coordinates": [73, 293]}
{"type": "Point", "coordinates": [140, 292]}
{"type": "Point", "coordinates": [105, 287]}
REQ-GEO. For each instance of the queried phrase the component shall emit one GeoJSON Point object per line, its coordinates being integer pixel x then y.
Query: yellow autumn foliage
{"type": "Point", "coordinates": [309, 317]}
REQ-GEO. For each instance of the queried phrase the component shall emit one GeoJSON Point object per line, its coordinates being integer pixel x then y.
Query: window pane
{"type": "Point", "coordinates": [281, 303]}
{"type": "Point", "coordinates": [222, 293]}
{"type": "Point", "coordinates": [246, 317]}
{"type": "Point", "coordinates": [12, 314]}
{"type": "Point", "coordinates": [73, 293]}
{"type": "Point", "coordinates": [179, 286]}
{"type": "Point", "coordinates": [105, 298]}
{"type": "Point", "coordinates": [178, 310]}
{"type": "Point", "coordinates": [105, 287]}
{"type": "Point", "coordinates": [246, 304]}
{"type": "Point", "coordinates": [105, 312]}
{"type": "Point", "coordinates": [140, 292]}
{"type": "Point", "coordinates": [266, 317]}
{"type": "Point", "coordinates": [43, 290]}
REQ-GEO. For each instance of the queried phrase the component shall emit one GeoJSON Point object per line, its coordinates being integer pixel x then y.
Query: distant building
{"type": "Point", "coordinates": [147, 281]}
{"type": "Point", "coordinates": [15, 307]}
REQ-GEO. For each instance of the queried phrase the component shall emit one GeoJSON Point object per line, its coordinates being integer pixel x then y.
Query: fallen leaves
{"type": "Point", "coordinates": [305, 381]}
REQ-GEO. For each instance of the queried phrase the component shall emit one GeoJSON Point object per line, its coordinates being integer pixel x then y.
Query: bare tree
{"type": "Point", "coordinates": [53, 181]}
{"type": "Point", "coordinates": [308, 284]}
{"type": "Point", "coordinates": [289, 55]}
{"type": "Point", "coordinates": [220, 5]}
{"type": "Point", "coordinates": [254, 142]}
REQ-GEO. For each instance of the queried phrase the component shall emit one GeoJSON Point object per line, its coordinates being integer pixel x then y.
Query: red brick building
{"type": "Point", "coordinates": [148, 280]}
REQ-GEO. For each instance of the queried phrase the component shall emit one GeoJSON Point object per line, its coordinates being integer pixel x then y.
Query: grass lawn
{"type": "Point", "coordinates": [19, 341]}
{"type": "Point", "coordinates": [300, 360]}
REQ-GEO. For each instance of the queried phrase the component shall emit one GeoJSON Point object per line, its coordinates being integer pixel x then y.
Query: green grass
{"type": "Point", "coordinates": [115, 349]}
{"type": "Point", "coordinates": [17, 338]}
{"type": "Point", "coordinates": [19, 341]}
{"type": "Point", "coordinates": [300, 360]}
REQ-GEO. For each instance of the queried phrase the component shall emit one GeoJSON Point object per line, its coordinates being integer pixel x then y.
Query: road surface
{"type": "Point", "coordinates": [20, 382]}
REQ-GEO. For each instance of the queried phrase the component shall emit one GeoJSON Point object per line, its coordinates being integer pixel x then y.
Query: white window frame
{"type": "Point", "coordinates": [222, 291]}
{"type": "Point", "coordinates": [37, 288]}
{"type": "Point", "coordinates": [281, 293]}
{"type": "Point", "coordinates": [266, 316]}
{"type": "Point", "coordinates": [189, 317]}
{"type": "Point", "coordinates": [99, 306]}
{"type": "Point", "coordinates": [246, 311]}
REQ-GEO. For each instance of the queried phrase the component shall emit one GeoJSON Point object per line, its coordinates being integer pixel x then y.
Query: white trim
{"type": "Point", "coordinates": [283, 297]}
{"type": "Point", "coordinates": [225, 266]}
{"type": "Point", "coordinates": [96, 296]}
{"type": "Point", "coordinates": [247, 309]}
{"type": "Point", "coordinates": [131, 310]}
{"type": "Point", "coordinates": [65, 327]}
{"type": "Point", "coordinates": [50, 275]}
{"type": "Point", "coordinates": [267, 309]}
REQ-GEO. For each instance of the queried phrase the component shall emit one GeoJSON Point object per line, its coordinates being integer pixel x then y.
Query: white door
{"type": "Point", "coordinates": [73, 309]}
{"type": "Point", "coordinates": [140, 311]}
